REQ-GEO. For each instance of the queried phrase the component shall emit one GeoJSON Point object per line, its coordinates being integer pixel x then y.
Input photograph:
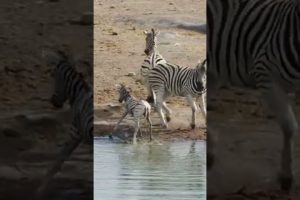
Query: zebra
{"type": "Point", "coordinates": [153, 58]}
{"type": "Point", "coordinates": [173, 80]}
{"type": "Point", "coordinates": [256, 44]}
{"type": "Point", "coordinates": [70, 85]}
{"type": "Point", "coordinates": [137, 108]}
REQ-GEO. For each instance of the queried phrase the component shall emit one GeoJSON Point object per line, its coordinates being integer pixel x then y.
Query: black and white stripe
{"type": "Point", "coordinates": [136, 108]}
{"type": "Point", "coordinates": [256, 44]}
{"type": "Point", "coordinates": [70, 85]}
{"type": "Point", "coordinates": [172, 80]}
{"type": "Point", "coordinates": [153, 57]}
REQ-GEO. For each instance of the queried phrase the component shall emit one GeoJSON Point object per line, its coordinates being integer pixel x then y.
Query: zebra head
{"type": "Point", "coordinates": [201, 75]}
{"type": "Point", "coordinates": [123, 93]}
{"type": "Point", "coordinates": [151, 39]}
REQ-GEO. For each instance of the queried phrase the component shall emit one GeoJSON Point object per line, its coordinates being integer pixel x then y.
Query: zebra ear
{"type": "Point", "coordinates": [129, 89]}
{"type": "Point", "coordinates": [202, 67]}
{"type": "Point", "coordinates": [155, 33]}
{"type": "Point", "coordinates": [118, 86]}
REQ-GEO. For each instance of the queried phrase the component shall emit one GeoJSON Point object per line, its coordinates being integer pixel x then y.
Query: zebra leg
{"type": "Point", "coordinates": [203, 107]}
{"type": "Point", "coordinates": [150, 98]}
{"type": "Point", "coordinates": [212, 133]}
{"type": "Point", "coordinates": [158, 96]}
{"type": "Point", "coordinates": [116, 127]}
{"type": "Point", "coordinates": [150, 125]}
{"type": "Point", "coordinates": [67, 150]}
{"type": "Point", "coordinates": [137, 126]}
{"type": "Point", "coordinates": [277, 100]}
{"type": "Point", "coordinates": [168, 111]}
{"type": "Point", "coordinates": [192, 103]}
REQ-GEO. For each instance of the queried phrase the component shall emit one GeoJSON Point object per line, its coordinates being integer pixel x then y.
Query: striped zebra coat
{"type": "Point", "coordinates": [256, 43]}
{"type": "Point", "coordinates": [137, 108]}
{"type": "Point", "coordinates": [153, 58]}
{"type": "Point", "coordinates": [70, 85]}
{"type": "Point", "coordinates": [172, 80]}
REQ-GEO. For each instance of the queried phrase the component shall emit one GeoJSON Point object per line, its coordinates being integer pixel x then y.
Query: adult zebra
{"type": "Point", "coordinates": [173, 80]}
{"type": "Point", "coordinates": [256, 43]}
{"type": "Point", "coordinates": [70, 85]}
{"type": "Point", "coordinates": [153, 58]}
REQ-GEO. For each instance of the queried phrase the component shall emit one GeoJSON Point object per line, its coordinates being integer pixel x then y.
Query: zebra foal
{"type": "Point", "coordinates": [137, 108]}
{"type": "Point", "coordinates": [256, 44]}
{"type": "Point", "coordinates": [70, 85]}
{"type": "Point", "coordinates": [172, 80]}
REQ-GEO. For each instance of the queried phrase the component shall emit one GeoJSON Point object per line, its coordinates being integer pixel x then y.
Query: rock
{"type": "Point", "coordinates": [130, 74]}
{"type": "Point", "coordinates": [114, 33]}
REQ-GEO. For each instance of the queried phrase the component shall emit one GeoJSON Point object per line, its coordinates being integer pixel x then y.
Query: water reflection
{"type": "Point", "coordinates": [174, 171]}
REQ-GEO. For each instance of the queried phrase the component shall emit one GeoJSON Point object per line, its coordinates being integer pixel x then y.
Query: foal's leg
{"type": "Point", "coordinates": [150, 123]}
{"type": "Point", "coordinates": [203, 107]}
{"type": "Point", "coordinates": [137, 126]}
{"type": "Point", "coordinates": [121, 119]}
{"type": "Point", "coordinates": [192, 103]}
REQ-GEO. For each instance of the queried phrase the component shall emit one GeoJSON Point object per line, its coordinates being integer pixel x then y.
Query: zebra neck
{"type": "Point", "coordinates": [130, 100]}
{"type": "Point", "coordinates": [154, 56]}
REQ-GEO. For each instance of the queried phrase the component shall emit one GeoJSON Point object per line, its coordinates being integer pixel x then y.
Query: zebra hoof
{"type": "Point", "coordinates": [168, 118]}
{"type": "Point", "coordinates": [110, 137]}
{"type": "Point", "coordinates": [150, 99]}
{"type": "Point", "coordinates": [193, 126]}
{"type": "Point", "coordinates": [286, 182]}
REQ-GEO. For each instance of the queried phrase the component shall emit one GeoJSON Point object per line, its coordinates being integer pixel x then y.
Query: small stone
{"type": "Point", "coordinates": [112, 7]}
{"type": "Point", "coordinates": [114, 33]}
{"type": "Point", "coordinates": [131, 74]}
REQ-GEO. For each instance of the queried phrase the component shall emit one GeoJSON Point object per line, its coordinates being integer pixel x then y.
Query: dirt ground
{"type": "Point", "coordinates": [119, 50]}
{"type": "Point", "coordinates": [31, 131]}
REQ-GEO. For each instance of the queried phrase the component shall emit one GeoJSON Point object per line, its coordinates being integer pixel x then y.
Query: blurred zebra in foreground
{"type": "Point", "coordinates": [137, 108]}
{"type": "Point", "coordinates": [70, 85]}
{"type": "Point", "coordinates": [172, 80]}
{"type": "Point", "coordinates": [256, 44]}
